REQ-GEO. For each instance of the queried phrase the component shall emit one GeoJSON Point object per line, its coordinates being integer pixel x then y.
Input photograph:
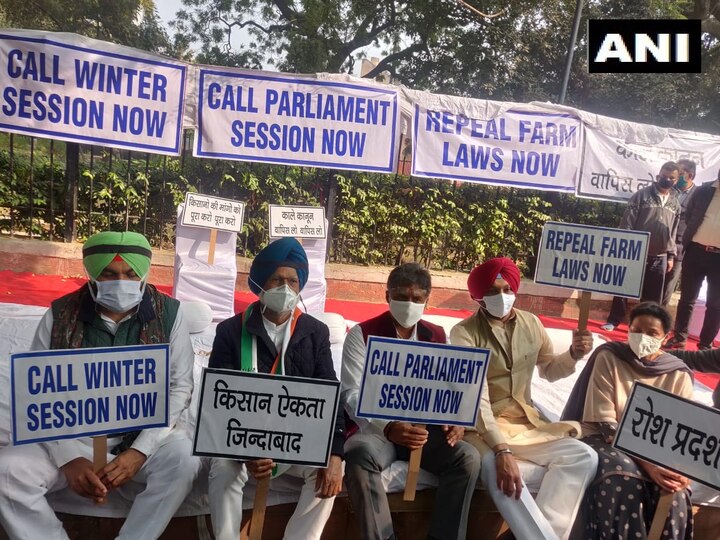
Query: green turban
{"type": "Point", "coordinates": [101, 248]}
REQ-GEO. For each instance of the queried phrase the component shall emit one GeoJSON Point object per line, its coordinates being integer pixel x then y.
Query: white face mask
{"type": "Point", "coordinates": [407, 314]}
{"type": "Point", "coordinates": [279, 299]}
{"type": "Point", "coordinates": [499, 305]}
{"type": "Point", "coordinates": [643, 345]}
{"type": "Point", "coordinates": [118, 295]}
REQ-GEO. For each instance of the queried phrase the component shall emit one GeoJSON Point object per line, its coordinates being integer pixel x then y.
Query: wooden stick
{"type": "Point", "coordinates": [258, 514]}
{"type": "Point", "coordinates": [99, 452]}
{"type": "Point", "coordinates": [661, 513]}
{"type": "Point", "coordinates": [413, 472]}
{"type": "Point", "coordinates": [585, 297]}
{"type": "Point", "coordinates": [211, 249]}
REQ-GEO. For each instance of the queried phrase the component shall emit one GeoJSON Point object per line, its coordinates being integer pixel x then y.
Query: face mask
{"type": "Point", "coordinates": [407, 314]}
{"type": "Point", "coordinates": [499, 305]}
{"type": "Point", "coordinates": [279, 299]}
{"type": "Point", "coordinates": [665, 182]}
{"type": "Point", "coordinates": [118, 295]}
{"type": "Point", "coordinates": [681, 183]}
{"type": "Point", "coordinates": [643, 345]}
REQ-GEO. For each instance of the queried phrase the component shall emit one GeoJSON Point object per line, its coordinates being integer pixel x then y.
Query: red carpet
{"type": "Point", "coordinates": [39, 290]}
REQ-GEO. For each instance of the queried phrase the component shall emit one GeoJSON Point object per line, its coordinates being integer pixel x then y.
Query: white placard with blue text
{"type": "Point", "coordinates": [671, 432]}
{"type": "Point", "coordinates": [66, 394]}
{"type": "Point", "coordinates": [245, 415]}
{"type": "Point", "coordinates": [65, 87]}
{"type": "Point", "coordinates": [596, 259]}
{"type": "Point", "coordinates": [517, 149]}
{"type": "Point", "coordinates": [294, 121]}
{"type": "Point", "coordinates": [425, 383]}
{"type": "Point", "coordinates": [213, 212]}
{"type": "Point", "coordinates": [297, 221]}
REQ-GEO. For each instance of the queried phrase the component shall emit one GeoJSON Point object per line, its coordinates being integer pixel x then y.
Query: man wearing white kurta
{"type": "Point", "coordinates": [117, 307]}
{"type": "Point", "coordinates": [509, 428]}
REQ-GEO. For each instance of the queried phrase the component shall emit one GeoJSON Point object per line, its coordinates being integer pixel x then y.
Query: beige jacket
{"type": "Point", "coordinates": [507, 413]}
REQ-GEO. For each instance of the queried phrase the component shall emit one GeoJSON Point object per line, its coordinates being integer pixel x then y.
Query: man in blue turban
{"type": "Point", "coordinates": [274, 336]}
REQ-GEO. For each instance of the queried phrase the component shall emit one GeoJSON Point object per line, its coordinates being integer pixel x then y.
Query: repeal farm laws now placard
{"type": "Point", "coordinates": [257, 416]}
{"type": "Point", "coordinates": [71, 88]}
{"type": "Point", "coordinates": [66, 394]}
{"type": "Point", "coordinates": [597, 259]}
{"type": "Point", "coordinates": [671, 432]}
{"type": "Point", "coordinates": [297, 221]}
{"type": "Point", "coordinates": [276, 118]}
{"type": "Point", "coordinates": [426, 383]}
{"type": "Point", "coordinates": [213, 212]}
{"type": "Point", "coordinates": [516, 148]}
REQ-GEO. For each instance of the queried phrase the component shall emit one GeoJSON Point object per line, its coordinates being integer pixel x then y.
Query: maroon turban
{"type": "Point", "coordinates": [482, 277]}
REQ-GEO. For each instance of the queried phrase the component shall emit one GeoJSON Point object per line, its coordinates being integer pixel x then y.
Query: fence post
{"type": "Point", "coordinates": [330, 212]}
{"type": "Point", "coordinates": [72, 175]}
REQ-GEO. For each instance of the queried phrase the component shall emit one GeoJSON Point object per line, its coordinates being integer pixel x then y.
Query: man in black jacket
{"type": "Point", "coordinates": [702, 261]}
{"type": "Point", "coordinates": [280, 339]}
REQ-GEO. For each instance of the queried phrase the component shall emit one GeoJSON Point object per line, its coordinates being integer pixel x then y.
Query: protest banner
{"type": "Point", "coordinates": [72, 88]}
{"type": "Point", "coordinates": [213, 213]}
{"type": "Point", "coordinates": [277, 118]}
{"type": "Point", "coordinates": [614, 169]}
{"type": "Point", "coordinates": [66, 394]}
{"type": "Point", "coordinates": [297, 221]}
{"type": "Point", "coordinates": [516, 148]}
{"type": "Point", "coordinates": [424, 383]}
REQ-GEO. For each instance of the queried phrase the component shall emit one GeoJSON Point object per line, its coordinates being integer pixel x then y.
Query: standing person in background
{"type": "Point", "coordinates": [654, 209]}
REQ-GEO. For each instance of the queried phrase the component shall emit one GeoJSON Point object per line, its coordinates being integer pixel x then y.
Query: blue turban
{"type": "Point", "coordinates": [284, 252]}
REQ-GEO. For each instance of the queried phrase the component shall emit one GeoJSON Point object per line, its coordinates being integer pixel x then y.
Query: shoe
{"type": "Point", "coordinates": [675, 343]}
{"type": "Point", "coordinates": [702, 347]}
{"type": "Point", "coordinates": [608, 327]}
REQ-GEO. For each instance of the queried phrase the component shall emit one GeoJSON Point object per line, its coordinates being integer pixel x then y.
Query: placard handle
{"type": "Point", "coordinates": [413, 471]}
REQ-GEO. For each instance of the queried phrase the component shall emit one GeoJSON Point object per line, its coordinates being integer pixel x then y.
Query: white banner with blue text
{"type": "Point", "coordinates": [260, 416]}
{"type": "Point", "coordinates": [296, 120]}
{"type": "Point", "coordinates": [672, 432]}
{"type": "Point", "coordinates": [425, 383]}
{"type": "Point", "coordinates": [66, 394]}
{"type": "Point", "coordinates": [76, 89]}
{"type": "Point", "coordinates": [515, 148]}
{"type": "Point", "coordinates": [596, 259]}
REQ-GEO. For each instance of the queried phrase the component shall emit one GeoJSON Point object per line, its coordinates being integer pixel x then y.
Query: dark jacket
{"type": "Point", "coordinates": [696, 208]}
{"type": "Point", "coordinates": [308, 355]}
{"type": "Point", "coordinates": [645, 212]}
{"type": "Point", "coordinates": [383, 326]}
{"type": "Point", "coordinates": [707, 361]}
{"type": "Point", "coordinates": [684, 198]}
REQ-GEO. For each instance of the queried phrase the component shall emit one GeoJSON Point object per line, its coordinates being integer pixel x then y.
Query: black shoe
{"type": "Point", "coordinates": [702, 347]}
{"type": "Point", "coordinates": [675, 342]}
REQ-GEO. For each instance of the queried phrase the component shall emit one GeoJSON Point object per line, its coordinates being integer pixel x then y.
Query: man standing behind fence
{"type": "Point", "coordinates": [654, 209]}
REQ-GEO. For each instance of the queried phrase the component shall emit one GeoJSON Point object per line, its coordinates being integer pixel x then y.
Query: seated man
{"type": "Point", "coordinates": [509, 427]}
{"type": "Point", "coordinates": [274, 336]}
{"type": "Point", "coordinates": [117, 307]}
{"type": "Point", "coordinates": [378, 442]}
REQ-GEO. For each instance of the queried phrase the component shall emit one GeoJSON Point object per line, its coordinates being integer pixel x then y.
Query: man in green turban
{"type": "Point", "coordinates": [116, 307]}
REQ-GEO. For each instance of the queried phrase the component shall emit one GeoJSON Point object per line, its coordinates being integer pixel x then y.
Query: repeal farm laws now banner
{"type": "Point", "coordinates": [276, 118]}
{"type": "Point", "coordinates": [672, 432]}
{"type": "Point", "coordinates": [426, 383]}
{"type": "Point", "coordinates": [71, 88]}
{"type": "Point", "coordinates": [595, 259]}
{"type": "Point", "coordinates": [614, 169]}
{"type": "Point", "coordinates": [516, 148]}
{"type": "Point", "coordinates": [256, 416]}
{"type": "Point", "coordinates": [65, 394]}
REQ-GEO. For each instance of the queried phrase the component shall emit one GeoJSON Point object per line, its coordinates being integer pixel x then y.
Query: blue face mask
{"type": "Point", "coordinates": [682, 183]}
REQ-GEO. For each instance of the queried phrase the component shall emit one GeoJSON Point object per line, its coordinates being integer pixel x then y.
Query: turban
{"type": "Point", "coordinates": [482, 277]}
{"type": "Point", "coordinates": [102, 248]}
{"type": "Point", "coordinates": [284, 252]}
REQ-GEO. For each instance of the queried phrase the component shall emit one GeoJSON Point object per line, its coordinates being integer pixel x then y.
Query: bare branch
{"type": "Point", "coordinates": [478, 12]}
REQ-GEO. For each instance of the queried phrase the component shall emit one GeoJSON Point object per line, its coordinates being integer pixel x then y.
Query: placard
{"type": "Point", "coordinates": [73, 89]}
{"type": "Point", "coordinates": [597, 259]}
{"type": "Point", "coordinates": [671, 432]}
{"type": "Point", "coordinates": [260, 416]}
{"type": "Point", "coordinates": [276, 118]}
{"type": "Point", "coordinates": [213, 213]}
{"type": "Point", "coordinates": [425, 383]}
{"type": "Point", "coordinates": [297, 221]}
{"type": "Point", "coordinates": [66, 394]}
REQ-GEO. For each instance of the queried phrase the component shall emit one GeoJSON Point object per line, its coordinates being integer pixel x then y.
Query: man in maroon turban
{"type": "Point", "coordinates": [509, 427]}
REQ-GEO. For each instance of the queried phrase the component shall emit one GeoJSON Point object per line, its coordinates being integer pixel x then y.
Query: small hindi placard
{"type": "Point", "coordinates": [260, 416]}
{"type": "Point", "coordinates": [426, 383]}
{"type": "Point", "coordinates": [66, 394]}
{"type": "Point", "coordinates": [213, 213]}
{"type": "Point", "coordinates": [297, 221]}
{"type": "Point", "coordinates": [671, 432]}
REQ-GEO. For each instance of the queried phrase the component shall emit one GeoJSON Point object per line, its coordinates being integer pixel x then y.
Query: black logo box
{"type": "Point", "coordinates": [598, 29]}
